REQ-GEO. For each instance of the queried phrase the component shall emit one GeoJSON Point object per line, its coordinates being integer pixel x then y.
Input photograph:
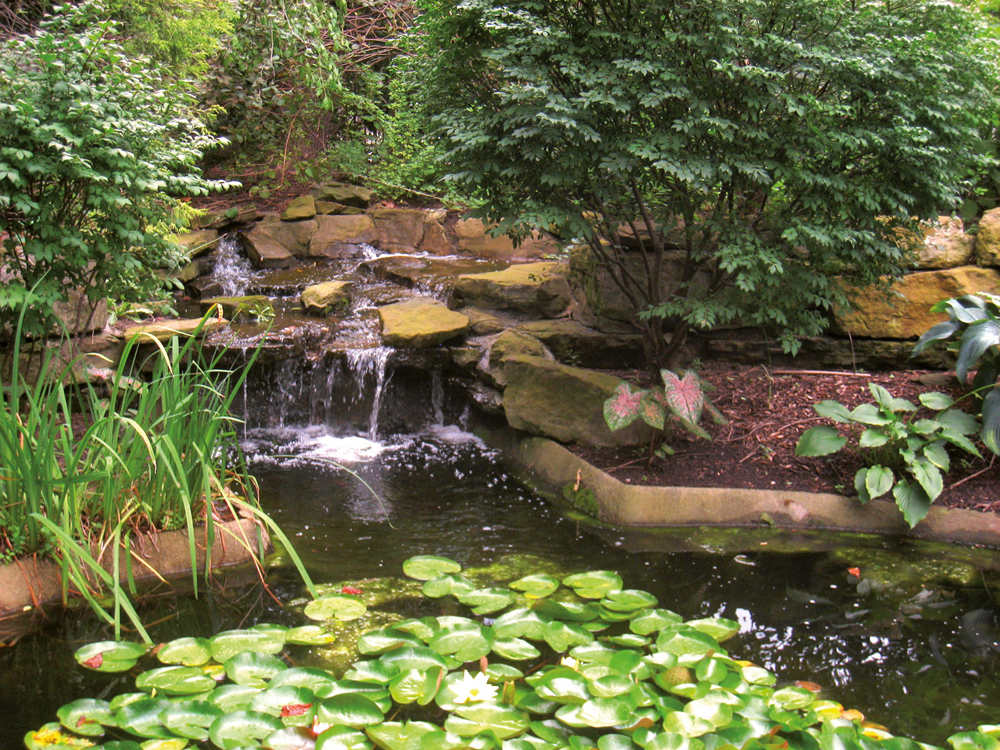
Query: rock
{"type": "Point", "coordinates": [167, 329]}
{"type": "Point", "coordinates": [945, 245]}
{"type": "Point", "coordinates": [473, 238]}
{"type": "Point", "coordinates": [83, 359]}
{"type": "Point", "coordinates": [78, 315]}
{"type": "Point", "coordinates": [420, 322]}
{"type": "Point", "coordinates": [988, 239]}
{"type": "Point", "coordinates": [321, 298]}
{"type": "Point", "coordinates": [222, 219]}
{"type": "Point", "coordinates": [303, 207]}
{"type": "Point", "coordinates": [400, 230]}
{"type": "Point", "coordinates": [909, 315]}
{"type": "Point", "coordinates": [574, 343]}
{"type": "Point", "coordinates": [189, 271]}
{"type": "Point", "coordinates": [342, 192]}
{"type": "Point", "coordinates": [275, 244]}
{"type": "Point", "coordinates": [329, 208]}
{"type": "Point", "coordinates": [237, 308]}
{"type": "Point", "coordinates": [564, 403]}
{"type": "Point", "coordinates": [506, 345]}
{"type": "Point", "coordinates": [340, 236]}
{"type": "Point", "coordinates": [435, 240]}
{"type": "Point", "coordinates": [197, 243]}
{"type": "Point", "coordinates": [536, 289]}
{"type": "Point", "coordinates": [483, 323]}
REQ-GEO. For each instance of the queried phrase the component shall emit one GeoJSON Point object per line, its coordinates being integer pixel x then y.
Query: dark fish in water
{"type": "Point", "coordinates": [979, 633]}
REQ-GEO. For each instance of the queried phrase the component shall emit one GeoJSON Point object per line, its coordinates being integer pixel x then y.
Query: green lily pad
{"type": "Point", "coordinates": [166, 743]}
{"type": "Point", "coordinates": [110, 656]}
{"type": "Point", "coordinates": [414, 657]}
{"type": "Point", "coordinates": [611, 686]}
{"type": "Point", "coordinates": [716, 713]}
{"type": "Point", "coordinates": [615, 742]}
{"type": "Point", "coordinates": [125, 698]}
{"type": "Point", "coordinates": [628, 600]}
{"type": "Point", "coordinates": [295, 706]}
{"type": "Point", "coordinates": [424, 628]}
{"type": "Point", "coordinates": [503, 720]}
{"type": "Point", "coordinates": [628, 640]}
{"type": "Point", "coordinates": [242, 728]}
{"type": "Point", "coordinates": [342, 738]}
{"type": "Point", "coordinates": [686, 641]}
{"type": "Point", "coordinates": [487, 601]}
{"type": "Point", "coordinates": [466, 641]}
{"type": "Point", "coordinates": [572, 611]}
{"type": "Point", "coordinates": [757, 675]}
{"type": "Point", "coordinates": [521, 623]}
{"type": "Point", "coordinates": [674, 741]}
{"type": "Point", "coordinates": [426, 567]}
{"type": "Point", "coordinates": [449, 584]}
{"type": "Point", "coordinates": [190, 719]}
{"type": "Point", "coordinates": [189, 652]}
{"type": "Point", "coordinates": [386, 639]}
{"type": "Point", "coordinates": [123, 745]}
{"type": "Point", "coordinates": [54, 735]}
{"type": "Point", "coordinates": [253, 669]}
{"type": "Point", "coordinates": [317, 681]}
{"type": "Point", "coordinates": [653, 620]}
{"type": "Point", "coordinates": [593, 584]}
{"type": "Point", "coordinates": [291, 738]}
{"type": "Point", "coordinates": [228, 643]}
{"type": "Point", "coordinates": [175, 680]}
{"type": "Point", "coordinates": [536, 586]}
{"type": "Point", "coordinates": [792, 698]}
{"type": "Point", "coordinates": [719, 628]}
{"type": "Point", "coordinates": [379, 671]}
{"type": "Point", "coordinates": [563, 685]}
{"type": "Point", "coordinates": [563, 636]}
{"type": "Point", "coordinates": [515, 649]}
{"type": "Point", "coordinates": [349, 709]}
{"type": "Point", "coordinates": [499, 673]}
{"type": "Point", "coordinates": [87, 717]}
{"type": "Point", "coordinates": [394, 735]}
{"type": "Point", "coordinates": [594, 653]}
{"type": "Point", "coordinates": [605, 712]}
{"type": "Point", "coordinates": [142, 718]}
{"type": "Point", "coordinates": [686, 725]}
{"type": "Point", "coordinates": [273, 629]}
{"type": "Point", "coordinates": [335, 606]}
{"type": "Point", "coordinates": [232, 697]}
{"type": "Point", "coordinates": [416, 685]}
{"type": "Point", "coordinates": [310, 635]}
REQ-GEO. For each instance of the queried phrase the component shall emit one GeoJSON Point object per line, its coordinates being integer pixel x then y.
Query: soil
{"type": "Point", "coordinates": [768, 410]}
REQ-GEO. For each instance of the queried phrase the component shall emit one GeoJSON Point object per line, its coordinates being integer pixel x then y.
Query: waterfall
{"type": "Point", "coordinates": [370, 363]}
{"type": "Point", "coordinates": [232, 268]}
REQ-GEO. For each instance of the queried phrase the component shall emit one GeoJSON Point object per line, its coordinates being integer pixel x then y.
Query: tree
{"type": "Point", "coordinates": [95, 150]}
{"type": "Point", "coordinates": [774, 148]}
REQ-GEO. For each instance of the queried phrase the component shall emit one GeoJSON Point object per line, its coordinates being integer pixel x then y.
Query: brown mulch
{"type": "Point", "coordinates": [768, 410]}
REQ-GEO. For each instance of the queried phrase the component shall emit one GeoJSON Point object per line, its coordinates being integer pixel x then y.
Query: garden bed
{"type": "Point", "coordinates": [768, 410]}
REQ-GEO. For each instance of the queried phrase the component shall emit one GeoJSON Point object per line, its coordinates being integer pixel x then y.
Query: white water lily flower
{"type": "Point", "coordinates": [569, 661]}
{"type": "Point", "coordinates": [471, 689]}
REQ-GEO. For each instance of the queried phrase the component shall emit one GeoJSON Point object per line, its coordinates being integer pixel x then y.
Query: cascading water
{"type": "Point", "coordinates": [368, 364]}
{"type": "Point", "coordinates": [232, 269]}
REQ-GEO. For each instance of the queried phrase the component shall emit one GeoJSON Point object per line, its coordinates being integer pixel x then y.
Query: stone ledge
{"type": "Point", "coordinates": [623, 504]}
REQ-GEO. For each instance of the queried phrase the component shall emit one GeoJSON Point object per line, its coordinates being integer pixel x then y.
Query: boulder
{"type": "Point", "coordinates": [474, 238]}
{"type": "Point", "coordinates": [78, 315]}
{"type": "Point", "coordinates": [275, 244]}
{"type": "Point", "coordinates": [420, 322]}
{"type": "Point", "coordinates": [329, 208]}
{"type": "Point", "coordinates": [223, 219]}
{"type": "Point", "coordinates": [945, 245]}
{"type": "Point", "coordinates": [509, 344]}
{"type": "Point", "coordinates": [574, 343]}
{"type": "Point", "coordinates": [484, 323]}
{"type": "Point", "coordinates": [435, 240]}
{"type": "Point", "coordinates": [197, 243]}
{"type": "Point", "coordinates": [563, 403]}
{"type": "Point", "coordinates": [400, 230]}
{"type": "Point", "coordinates": [988, 239]}
{"type": "Point", "coordinates": [907, 313]}
{"type": "Point", "coordinates": [167, 329]}
{"type": "Point", "coordinates": [239, 307]}
{"type": "Point", "coordinates": [321, 298]}
{"type": "Point", "coordinates": [337, 236]}
{"type": "Point", "coordinates": [342, 192]}
{"type": "Point", "coordinates": [303, 207]}
{"type": "Point", "coordinates": [536, 289]}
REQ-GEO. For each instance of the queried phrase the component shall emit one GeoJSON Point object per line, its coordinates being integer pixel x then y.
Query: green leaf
{"type": "Point", "coordinates": [254, 670]}
{"type": "Point", "coordinates": [912, 500]}
{"type": "Point", "coordinates": [242, 728]}
{"type": "Point", "coordinates": [317, 681]}
{"type": "Point", "coordinates": [521, 623]}
{"type": "Point", "coordinates": [991, 420]}
{"type": "Point", "coordinates": [872, 438]}
{"type": "Point", "coordinates": [594, 584]}
{"type": "Point", "coordinates": [878, 481]}
{"type": "Point", "coordinates": [386, 639]}
{"type": "Point", "coordinates": [929, 477]}
{"type": "Point", "coordinates": [628, 600]}
{"type": "Point", "coordinates": [563, 636]}
{"type": "Point", "coordinates": [335, 606]}
{"type": "Point", "coordinates": [393, 735]}
{"type": "Point", "coordinates": [820, 441]}
{"type": "Point", "coordinates": [503, 720]}
{"type": "Point", "coordinates": [189, 652]}
{"type": "Point", "coordinates": [347, 709]}
{"type": "Point", "coordinates": [719, 628]}
{"type": "Point", "coordinates": [833, 410]}
{"type": "Point", "coordinates": [227, 644]}
{"type": "Point", "coordinates": [342, 738]}
{"type": "Point", "coordinates": [650, 622]}
{"type": "Point", "coordinates": [310, 635]}
{"type": "Point", "coordinates": [976, 340]}
{"type": "Point", "coordinates": [52, 735]}
{"type": "Point", "coordinates": [426, 567]}
{"type": "Point", "coordinates": [295, 706]}
{"type": "Point", "coordinates": [465, 641]}
{"type": "Point", "coordinates": [175, 680]}
{"type": "Point", "coordinates": [415, 657]}
{"type": "Point", "coordinates": [448, 584]}
{"type": "Point", "coordinates": [605, 712]}
{"type": "Point", "coordinates": [190, 719]}
{"type": "Point", "coordinates": [87, 717]}
{"type": "Point", "coordinates": [514, 649]}
{"type": "Point", "coordinates": [110, 656]}
{"type": "Point", "coordinates": [487, 601]}
{"type": "Point", "coordinates": [936, 401]}
{"type": "Point", "coordinates": [142, 718]}
{"type": "Point", "coordinates": [416, 685]}
{"type": "Point", "coordinates": [232, 697]}
{"type": "Point", "coordinates": [536, 586]}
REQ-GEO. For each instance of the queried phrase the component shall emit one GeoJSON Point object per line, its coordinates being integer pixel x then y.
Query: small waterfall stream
{"type": "Point", "coordinates": [232, 267]}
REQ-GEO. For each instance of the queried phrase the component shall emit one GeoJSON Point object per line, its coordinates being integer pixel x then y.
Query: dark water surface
{"type": "Point", "coordinates": [912, 643]}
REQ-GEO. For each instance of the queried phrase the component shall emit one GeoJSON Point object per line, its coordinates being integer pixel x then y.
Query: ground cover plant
{"type": "Point", "coordinates": [533, 664]}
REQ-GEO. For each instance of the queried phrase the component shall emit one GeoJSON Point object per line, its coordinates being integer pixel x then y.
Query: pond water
{"type": "Point", "coordinates": [912, 642]}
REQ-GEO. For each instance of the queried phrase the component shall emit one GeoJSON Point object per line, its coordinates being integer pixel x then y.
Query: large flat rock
{"type": "Point", "coordinates": [321, 298]}
{"type": "Point", "coordinates": [575, 343]}
{"type": "Point", "coordinates": [341, 235]}
{"type": "Point", "coordinates": [168, 329]}
{"type": "Point", "coordinates": [273, 243]}
{"type": "Point", "coordinates": [420, 322]}
{"type": "Point", "coordinates": [473, 237]}
{"type": "Point", "coordinates": [400, 230]}
{"type": "Point", "coordinates": [536, 289]}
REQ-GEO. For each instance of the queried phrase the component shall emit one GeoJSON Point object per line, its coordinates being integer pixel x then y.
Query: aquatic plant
{"type": "Point", "coordinates": [540, 663]}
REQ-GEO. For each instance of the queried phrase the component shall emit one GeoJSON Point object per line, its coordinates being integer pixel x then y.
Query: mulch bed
{"type": "Point", "coordinates": [768, 410]}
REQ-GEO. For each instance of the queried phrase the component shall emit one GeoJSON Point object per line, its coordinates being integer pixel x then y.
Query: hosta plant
{"type": "Point", "coordinates": [681, 401]}
{"type": "Point", "coordinates": [975, 322]}
{"type": "Point", "coordinates": [905, 453]}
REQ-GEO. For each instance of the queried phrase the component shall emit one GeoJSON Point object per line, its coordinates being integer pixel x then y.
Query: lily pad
{"type": "Point", "coordinates": [449, 584]}
{"type": "Point", "coordinates": [386, 639]}
{"type": "Point", "coordinates": [414, 657]}
{"type": "Point", "coordinates": [536, 586]}
{"type": "Point", "coordinates": [348, 709]}
{"type": "Point", "coordinates": [487, 601]}
{"type": "Point", "coordinates": [503, 720]}
{"type": "Point", "coordinates": [125, 698]}
{"type": "Point", "coordinates": [242, 728]}
{"type": "Point", "coordinates": [175, 680]}
{"type": "Point", "coordinates": [424, 628]}
{"type": "Point", "coordinates": [628, 600]}
{"type": "Point", "coordinates": [232, 697]}
{"type": "Point", "coordinates": [605, 712]}
{"type": "Point", "coordinates": [291, 738]}
{"type": "Point", "coordinates": [572, 611]}
{"type": "Point", "coordinates": [378, 671]}
{"type": "Point", "coordinates": [342, 738]}
{"type": "Point", "coordinates": [294, 705]}
{"type": "Point", "coordinates": [189, 652]}
{"type": "Point", "coordinates": [253, 669]}
{"type": "Point", "coordinates": [142, 718]}
{"type": "Point", "coordinates": [521, 623]}
{"type": "Point", "coordinates": [686, 641]}
{"type": "Point", "coordinates": [465, 641]}
{"type": "Point", "coordinates": [563, 636]}
{"type": "Point", "coordinates": [416, 685]}
{"type": "Point", "coordinates": [54, 735]}
{"type": "Point", "coordinates": [719, 628]}
{"type": "Point", "coordinates": [228, 643]}
{"type": "Point", "coordinates": [335, 606]}
{"type": "Point", "coordinates": [394, 735]}
{"type": "Point", "coordinates": [317, 681]}
{"type": "Point", "coordinates": [110, 656]}
{"type": "Point", "coordinates": [310, 635]}
{"type": "Point", "coordinates": [500, 673]}
{"type": "Point", "coordinates": [426, 567]}
{"type": "Point", "coordinates": [593, 584]}
{"type": "Point", "coordinates": [515, 649]}
{"type": "Point", "coordinates": [87, 717]}
{"type": "Point", "coordinates": [653, 620]}
{"type": "Point", "coordinates": [190, 719]}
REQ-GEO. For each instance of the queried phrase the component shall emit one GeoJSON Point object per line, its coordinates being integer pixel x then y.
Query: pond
{"type": "Point", "coordinates": [911, 642]}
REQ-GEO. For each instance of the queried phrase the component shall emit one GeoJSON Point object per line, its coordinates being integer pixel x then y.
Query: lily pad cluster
{"type": "Point", "coordinates": [540, 663]}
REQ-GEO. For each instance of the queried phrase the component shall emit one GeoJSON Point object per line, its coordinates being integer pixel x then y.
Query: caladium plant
{"type": "Point", "coordinates": [681, 400]}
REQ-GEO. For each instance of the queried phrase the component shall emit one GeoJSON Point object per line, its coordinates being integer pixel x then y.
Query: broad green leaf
{"type": "Point", "coordinates": [675, 741]}
{"type": "Point", "coordinates": [715, 713]}
{"type": "Point", "coordinates": [189, 652]}
{"type": "Point", "coordinates": [594, 584]}
{"type": "Point", "coordinates": [342, 738]}
{"type": "Point", "coordinates": [929, 477]}
{"type": "Point", "coordinates": [292, 738]}
{"type": "Point", "coordinates": [936, 401]}
{"type": "Point", "coordinates": [426, 567]}
{"type": "Point", "coordinates": [142, 718]}
{"type": "Point", "coordinates": [190, 719]}
{"type": "Point", "coordinates": [242, 728]}
{"type": "Point", "coordinates": [991, 420]}
{"type": "Point", "coordinates": [310, 635]}
{"type": "Point", "coordinates": [318, 681]}
{"type": "Point", "coordinates": [227, 644]}
{"type": "Point", "coordinates": [394, 735]}
{"type": "Point", "coordinates": [87, 716]}
{"type": "Point", "coordinates": [792, 698]}
{"type": "Point", "coordinates": [615, 742]}
{"type": "Point", "coordinates": [833, 410]}
{"type": "Point", "coordinates": [335, 606]}
{"type": "Point", "coordinates": [466, 642]}
{"type": "Point", "coordinates": [686, 640]}
{"type": "Point", "coordinates": [563, 685]}
{"type": "Point", "coordinates": [515, 649]}
{"type": "Point", "coordinates": [254, 670]}
{"type": "Point", "coordinates": [605, 712]}
{"type": "Point", "coordinates": [487, 601]}
{"type": "Point", "coordinates": [500, 673]}
{"type": "Point", "coordinates": [503, 720]}
{"type": "Point", "coordinates": [386, 639]}
{"type": "Point", "coordinates": [54, 735]}
{"type": "Point", "coordinates": [564, 636]}
{"type": "Point", "coordinates": [820, 441]}
{"type": "Point", "coordinates": [416, 685]}
{"type": "Point", "coordinates": [958, 421]}
{"type": "Point", "coordinates": [521, 623]}
{"type": "Point", "coordinates": [381, 671]}
{"type": "Point", "coordinates": [872, 438]}
{"type": "Point", "coordinates": [110, 656]}
{"type": "Point", "coordinates": [571, 611]}
{"type": "Point", "coordinates": [652, 621]}
{"type": "Point", "coordinates": [628, 600]}
{"type": "Point", "coordinates": [976, 340]}
{"type": "Point", "coordinates": [937, 454]}
{"type": "Point", "coordinates": [878, 481]}
{"type": "Point", "coordinates": [125, 698]}
{"type": "Point", "coordinates": [232, 697]}
{"type": "Point", "coordinates": [912, 500]}
{"type": "Point", "coordinates": [870, 414]}
{"type": "Point", "coordinates": [720, 628]}
{"type": "Point", "coordinates": [175, 680]}
{"type": "Point", "coordinates": [757, 675]}
{"type": "Point", "coordinates": [424, 628]}
{"type": "Point", "coordinates": [347, 709]}
{"type": "Point", "coordinates": [449, 584]}
{"type": "Point", "coordinates": [295, 706]}
{"type": "Point", "coordinates": [686, 725]}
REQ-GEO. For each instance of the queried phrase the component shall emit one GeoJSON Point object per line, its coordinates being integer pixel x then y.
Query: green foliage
{"type": "Point", "coordinates": [577, 663]}
{"type": "Point", "coordinates": [681, 401]}
{"type": "Point", "coordinates": [896, 445]}
{"type": "Point", "coordinates": [95, 148]}
{"type": "Point", "coordinates": [975, 321]}
{"type": "Point", "coordinates": [776, 145]}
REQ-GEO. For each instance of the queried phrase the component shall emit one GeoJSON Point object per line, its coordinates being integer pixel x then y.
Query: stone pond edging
{"type": "Point", "coordinates": [29, 584]}
{"type": "Point", "coordinates": [620, 504]}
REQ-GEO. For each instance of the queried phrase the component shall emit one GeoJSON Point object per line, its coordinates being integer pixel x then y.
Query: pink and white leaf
{"type": "Point", "coordinates": [684, 395]}
{"type": "Point", "coordinates": [653, 410]}
{"type": "Point", "coordinates": [623, 407]}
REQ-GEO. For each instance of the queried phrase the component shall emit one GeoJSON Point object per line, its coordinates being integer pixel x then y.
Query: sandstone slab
{"type": "Point", "coordinates": [945, 245]}
{"type": "Point", "coordinates": [197, 243]}
{"type": "Point", "coordinates": [536, 289]}
{"type": "Point", "coordinates": [237, 307]}
{"type": "Point", "coordinates": [303, 207]}
{"type": "Point", "coordinates": [473, 237]}
{"type": "Point", "coordinates": [435, 240]}
{"type": "Point", "coordinates": [275, 244]}
{"type": "Point", "coordinates": [574, 343]}
{"type": "Point", "coordinates": [400, 230]}
{"type": "Point", "coordinates": [341, 235]}
{"type": "Point", "coordinates": [564, 403]}
{"type": "Point", "coordinates": [988, 239]}
{"type": "Point", "coordinates": [168, 329]}
{"type": "Point", "coordinates": [342, 192]}
{"type": "Point", "coordinates": [321, 298]}
{"type": "Point", "coordinates": [909, 314]}
{"type": "Point", "coordinates": [509, 344]}
{"type": "Point", "coordinates": [420, 322]}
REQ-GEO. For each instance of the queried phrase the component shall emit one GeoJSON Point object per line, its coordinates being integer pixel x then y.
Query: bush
{"type": "Point", "coordinates": [775, 145]}
{"type": "Point", "coordinates": [95, 149]}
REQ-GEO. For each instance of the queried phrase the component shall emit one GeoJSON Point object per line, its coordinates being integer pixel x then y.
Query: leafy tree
{"type": "Point", "coordinates": [759, 156]}
{"type": "Point", "coordinates": [95, 149]}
